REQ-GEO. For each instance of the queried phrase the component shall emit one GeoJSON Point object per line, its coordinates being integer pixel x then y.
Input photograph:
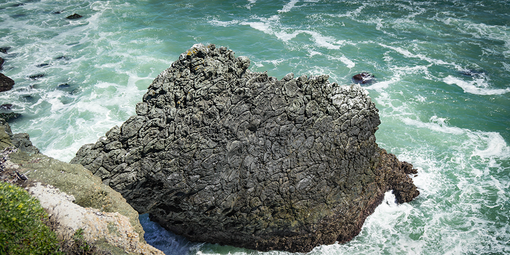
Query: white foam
{"type": "Point", "coordinates": [312, 53]}
{"type": "Point", "coordinates": [327, 42]}
{"type": "Point", "coordinates": [380, 86]}
{"type": "Point", "coordinates": [477, 86]}
{"type": "Point", "coordinates": [351, 14]}
{"type": "Point", "coordinates": [250, 4]}
{"type": "Point", "coordinates": [406, 53]}
{"type": "Point", "coordinates": [265, 24]}
{"type": "Point", "coordinates": [494, 144]}
{"type": "Point", "coordinates": [435, 124]}
{"type": "Point", "coordinates": [506, 66]}
{"type": "Point", "coordinates": [348, 62]}
{"type": "Point", "coordinates": [284, 36]}
{"type": "Point", "coordinates": [288, 6]}
{"type": "Point", "coordinates": [219, 23]}
{"type": "Point", "coordinates": [475, 143]}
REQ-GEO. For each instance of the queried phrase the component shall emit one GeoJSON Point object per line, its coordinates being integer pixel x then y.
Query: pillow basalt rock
{"type": "Point", "coordinates": [220, 154]}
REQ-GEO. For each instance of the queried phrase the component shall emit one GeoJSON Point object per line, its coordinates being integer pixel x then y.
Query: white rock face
{"type": "Point", "coordinates": [114, 228]}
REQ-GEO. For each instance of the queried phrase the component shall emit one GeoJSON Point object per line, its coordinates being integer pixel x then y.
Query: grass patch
{"type": "Point", "coordinates": [26, 228]}
{"type": "Point", "coordinates": [22, 224]}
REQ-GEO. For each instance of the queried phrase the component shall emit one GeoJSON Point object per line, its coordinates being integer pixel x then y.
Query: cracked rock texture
{"type": "Point", "coordinates": [220, 154]}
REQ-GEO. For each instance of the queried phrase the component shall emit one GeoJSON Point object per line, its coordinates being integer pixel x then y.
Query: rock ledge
{"type": "Point", "coordinates": [81, 201]}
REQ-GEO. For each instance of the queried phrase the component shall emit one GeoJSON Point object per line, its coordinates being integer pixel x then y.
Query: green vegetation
{"type": "Point", "coordinates": [22, 224]}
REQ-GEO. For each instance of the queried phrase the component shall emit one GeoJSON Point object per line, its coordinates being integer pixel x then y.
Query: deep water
{"type": "Point", "coordinates": [442, 86]}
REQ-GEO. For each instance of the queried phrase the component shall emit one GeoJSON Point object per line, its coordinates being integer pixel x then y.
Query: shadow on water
{"type": "Point", "coordinates": [172, 244]}
{"type": "Point", "coordinates": [167, 242]}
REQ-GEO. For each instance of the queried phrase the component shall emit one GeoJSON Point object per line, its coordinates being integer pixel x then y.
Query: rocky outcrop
{"type": "Point", "coordinates": [74, 16]}
{"type": "Point", "coordinates": [81, 200]}
{"type": "Point", "coordinates": [220, 154]}
{"type": "Point", "coordinates": [109, 231]}
{"type": "Point", "coordinates": [363, 78]}
{"type": "Point", "coordinates": [8, 116]}
{"type": "Point", "coordinates": [6, 83]}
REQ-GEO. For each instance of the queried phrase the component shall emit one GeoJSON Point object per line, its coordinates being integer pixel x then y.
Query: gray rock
{"type": "Point", "coordinates": [220, 154]}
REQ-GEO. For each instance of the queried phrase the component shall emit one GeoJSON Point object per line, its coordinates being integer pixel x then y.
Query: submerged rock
{"type": "Point", "coordinates": [36, 76]}
{"type": "Point", "coordinates": [74, 16]}
{"type": "Point", "coordinates": [220, 154]}
{"type": "Point", "coordinates": [363, 78]}
{"type": "Point", "coordinates": [8, 116]}
{"type": "Point", "coordinates": [63, 86]}
{"type": "Point", "coordinates": [5, 107]}
{"type": "Point", "coordinates": [6, 83]}
{"type": "Point", "coordinates": [6, 112]}
{"type": "Point", "coordinates": [478, 74]}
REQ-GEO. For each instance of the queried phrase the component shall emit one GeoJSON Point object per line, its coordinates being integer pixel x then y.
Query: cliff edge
{"type": "Point", "coordinates": [73, 197]}
{"type": "Point", "coordinates": [220, 154]}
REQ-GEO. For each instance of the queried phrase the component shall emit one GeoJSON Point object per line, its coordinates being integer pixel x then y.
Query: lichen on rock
{"type": "Point", "coordinates": [220, 154]}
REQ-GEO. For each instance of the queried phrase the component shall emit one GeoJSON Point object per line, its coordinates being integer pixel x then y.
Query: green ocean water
{"type": "Point", "coordinates": [442, 89]}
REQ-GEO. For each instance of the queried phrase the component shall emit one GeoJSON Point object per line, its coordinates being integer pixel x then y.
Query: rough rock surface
{"type": "Point", "coordinates": [220, 154]}
{"type": "Point", "coordinates": [101, 212]}
{"type": "Point", "coordinates": [74, 16]}
{"type": "Point", "coordinates": [105, 229]}
{"type": "Point", "coordinates": [363, 78]}
{"type": "Point", "coordinates": [6, 83]}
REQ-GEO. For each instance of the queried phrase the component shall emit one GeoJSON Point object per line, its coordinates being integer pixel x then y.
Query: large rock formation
{"type": "Point", "coordinates": [220, 154]}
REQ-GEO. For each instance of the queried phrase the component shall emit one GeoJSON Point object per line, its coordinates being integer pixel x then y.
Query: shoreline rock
{"type": "Point", "coordinates": [363, 78]}
{"type": "Point", "coordinates": [6, 83]}
{"type": "Point", "coordinates": [220, 154]}
{"type": "Point", "coordinates": [74, 16]}
{"type": "Point", "coordinates": [80, 201]}
{"type": "Point", "coordinates": [108, 230]}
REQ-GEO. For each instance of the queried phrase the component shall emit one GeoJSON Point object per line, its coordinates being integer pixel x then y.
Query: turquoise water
{"type": "Point", "coordinates": [443, 90]}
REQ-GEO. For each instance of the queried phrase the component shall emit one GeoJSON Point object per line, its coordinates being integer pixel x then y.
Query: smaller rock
{"type": "Point", "coordinates": [63, 86]}
{"type": "Point", "coordinates": [363, 78]}
{"type": "Point", "coordinates": [42, 65]}
{"type": "Point", "coordinates": [23, 143]}
{"type": "Point", "coordinates": [477, 74]}
{"type": "Point", "coordinates": [6, 83]}
{"type": "Point", "coordinates": [1, 63]}
{"type": "Point", "coordinates": [27, 98]}
{"type": "Point", "coordinates": [74, 16]}
{"type": "Point", "coordinates": [9, 116]}
{"type": "Point", "coordinates": [4, 49]}
{"type": "Point", "coordinates": [6, 107]}
{"type": "Point", "coordinates": [36, 76]}
{"type": "Point", "coordinates": [62, 58]}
